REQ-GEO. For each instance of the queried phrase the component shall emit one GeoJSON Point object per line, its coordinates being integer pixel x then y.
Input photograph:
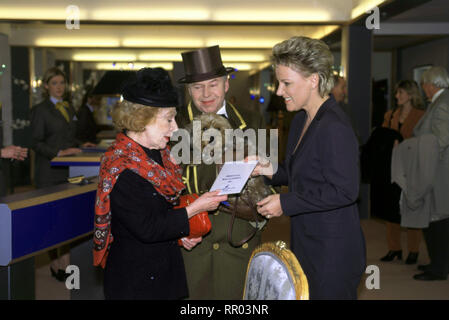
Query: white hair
{"type": "Point", "coordinates": [437, 76]}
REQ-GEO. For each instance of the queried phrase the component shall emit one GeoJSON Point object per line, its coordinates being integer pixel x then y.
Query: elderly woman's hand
{"type": "Point", "coordinates": [263, 167]}
{"type": "Point", "coordinates": [270, 206]}
{"type": "Point", "coordinates": [188, 244]}
{"type": "Point", "coordinates": [209, 201]}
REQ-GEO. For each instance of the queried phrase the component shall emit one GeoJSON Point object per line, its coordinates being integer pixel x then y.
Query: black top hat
{"type": "Point", "coordinates": [203, 64]}
{"type": "Point", "coordinates": [151, 87]}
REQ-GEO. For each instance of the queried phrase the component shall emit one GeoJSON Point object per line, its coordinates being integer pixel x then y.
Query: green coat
{"type": "Point", "coordinates": [216, 270]}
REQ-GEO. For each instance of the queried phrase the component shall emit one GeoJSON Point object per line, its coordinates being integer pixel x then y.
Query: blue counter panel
{"type": "Point", "coordinates": [42, 226]}
{"type": "Point", "coordinates": [74, 163]}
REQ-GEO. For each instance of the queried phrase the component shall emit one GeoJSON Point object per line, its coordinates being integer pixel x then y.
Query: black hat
{"type": "Point", "coordinates": [203, 64]}
{"type": "Point", "coordinates": [151, 87]}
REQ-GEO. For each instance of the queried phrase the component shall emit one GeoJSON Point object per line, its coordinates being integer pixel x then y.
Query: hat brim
{"type": "Point", "coordinates": [206, 76]}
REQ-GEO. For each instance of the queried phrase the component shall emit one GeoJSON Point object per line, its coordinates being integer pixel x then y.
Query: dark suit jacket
{"type": "Point", "coordinates": [323, 180]}
{"type": "Point", "coordinates": [86, 128]}
{"type": "Point", "coordinates": [144, 261]}
{"type": "Point", "coordinates": [50, 134]}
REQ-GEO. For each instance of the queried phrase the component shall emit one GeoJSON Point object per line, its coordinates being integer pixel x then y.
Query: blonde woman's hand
{"type": "Point", "coordinates": [208, 201]}
{"type": "Point", "coordinates": [263, 167]}
{"type": "Point", "coordinates": [270, 206]}
{"type": "Point", "coordinates": [188, 244]}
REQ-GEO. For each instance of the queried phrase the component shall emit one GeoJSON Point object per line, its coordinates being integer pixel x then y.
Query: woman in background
{"type": "Point", "coordinates": [384, 194]}
{"type": "Point", "coordinates": [53, 128]}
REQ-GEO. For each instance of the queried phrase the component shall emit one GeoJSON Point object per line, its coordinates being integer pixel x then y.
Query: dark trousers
{"type": "Point", "coordinates": [437, 240]}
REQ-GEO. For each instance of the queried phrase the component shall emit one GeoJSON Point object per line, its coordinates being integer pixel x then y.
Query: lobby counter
{"type": "Point", "coordinates": [36, 221]}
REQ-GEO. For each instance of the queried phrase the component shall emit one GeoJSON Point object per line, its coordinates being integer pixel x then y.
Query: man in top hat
{"type": "Point", "coordinates": [215, 269]}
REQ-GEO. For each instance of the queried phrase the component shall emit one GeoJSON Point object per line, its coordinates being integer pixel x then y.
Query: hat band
{"type": "Point", "coordinates": [168, 101]}
{"type": "Point", "coordinates": [190, 78]}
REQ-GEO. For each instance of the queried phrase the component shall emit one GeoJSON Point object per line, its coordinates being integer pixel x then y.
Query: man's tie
{"type": "Point", "coordinates": [61, 106]}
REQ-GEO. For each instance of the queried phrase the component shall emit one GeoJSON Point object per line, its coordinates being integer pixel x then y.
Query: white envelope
{"type": "Point", "coordinates": [233, 176]}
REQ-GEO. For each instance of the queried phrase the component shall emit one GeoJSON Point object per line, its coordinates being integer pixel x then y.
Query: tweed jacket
{"type": "Point", "coordinates": [436, 121]}
{"type": "Point", "coordinates": [413, 168]}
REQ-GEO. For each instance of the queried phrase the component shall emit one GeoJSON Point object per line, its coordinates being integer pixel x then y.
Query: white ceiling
{"type": "Point", "coordinates": [148, 30]}
{"type": "Point", "coordinates": [191, 10]}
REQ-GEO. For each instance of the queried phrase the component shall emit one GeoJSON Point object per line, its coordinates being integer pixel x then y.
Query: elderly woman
{"type": "Point", "coordinates": [136, 227]}
{"type": "Point", "coordinates": [385, 195]}
{"type": "Point", "coordinates": [321, 171]}
{"type": "Point", "coordinates": [435, 83]}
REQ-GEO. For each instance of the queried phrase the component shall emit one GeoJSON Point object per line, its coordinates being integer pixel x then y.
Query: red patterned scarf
{"type": "Point", "coordinates": [123, 154]}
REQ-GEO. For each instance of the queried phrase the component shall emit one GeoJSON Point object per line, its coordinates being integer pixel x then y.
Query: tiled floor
{"type": "Point", "coordinates": [396, 281]}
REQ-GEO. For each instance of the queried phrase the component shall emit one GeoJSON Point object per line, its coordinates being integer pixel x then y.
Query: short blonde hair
{"type": "Point", "coordinates": [306, 56]}
{"type": "Point", "coordinates": [131, 116]}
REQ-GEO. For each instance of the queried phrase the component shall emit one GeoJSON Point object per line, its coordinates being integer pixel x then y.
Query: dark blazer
{"type": "Point", "coordinates": [50, 134]}
{"type": "Point", "coordinates": [87, 127]}
{"type": "Point", "coordinates": [323, 180]}
{"type": "Point", "coordinates": [144, 261]}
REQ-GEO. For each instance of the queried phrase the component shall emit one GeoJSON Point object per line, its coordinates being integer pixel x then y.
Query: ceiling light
{"type": "Point", "coordinates": [163, 42]}
{"type": "Point", "coordinates": [75, 42]}
{"type": "Point", "coordinates": [364, 6]}
{"type": "Point", "coordinates": [306, 15]}
{"type": "Point", "coordinates": [150, 14]}
{"type": "Point", "coordinates": [125, 66]}
{"type": "Point", "coordinates": [103, 57]}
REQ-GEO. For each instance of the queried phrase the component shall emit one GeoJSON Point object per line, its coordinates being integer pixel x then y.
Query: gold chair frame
{"type": "Point", "coordinates": [288, 258]}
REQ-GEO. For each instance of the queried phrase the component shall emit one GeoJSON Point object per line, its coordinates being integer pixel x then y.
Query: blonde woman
{"type": "Point", "coordinates": [321, 171]}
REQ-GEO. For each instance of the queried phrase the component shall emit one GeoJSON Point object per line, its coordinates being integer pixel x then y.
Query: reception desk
{"type": "Point", "coordinates": [34, 222]}
{"type": "Point", "coordinates": [84, 163]}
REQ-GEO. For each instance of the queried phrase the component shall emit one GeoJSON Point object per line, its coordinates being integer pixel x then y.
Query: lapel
{"type": "Point", "coordinates": [192, 111]}
{"type": "Point", "coordinates": [58, 113]}
{"type": "Point", "coordinates": [428, 112]}
{"type": "Point", "coordinates": [235, 118]}
{"type": "Point", "coordinates": [313, 128]}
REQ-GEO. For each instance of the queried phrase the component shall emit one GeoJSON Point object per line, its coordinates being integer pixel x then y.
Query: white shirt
{"type": "Point", "coordinates": [223, 109]}
{"type": "Point", "coordinates": [437, 94]}
{"type": "Point", "coordinates": [90, 107]}
{"type": "Point", "coordinates": [54, 100]}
